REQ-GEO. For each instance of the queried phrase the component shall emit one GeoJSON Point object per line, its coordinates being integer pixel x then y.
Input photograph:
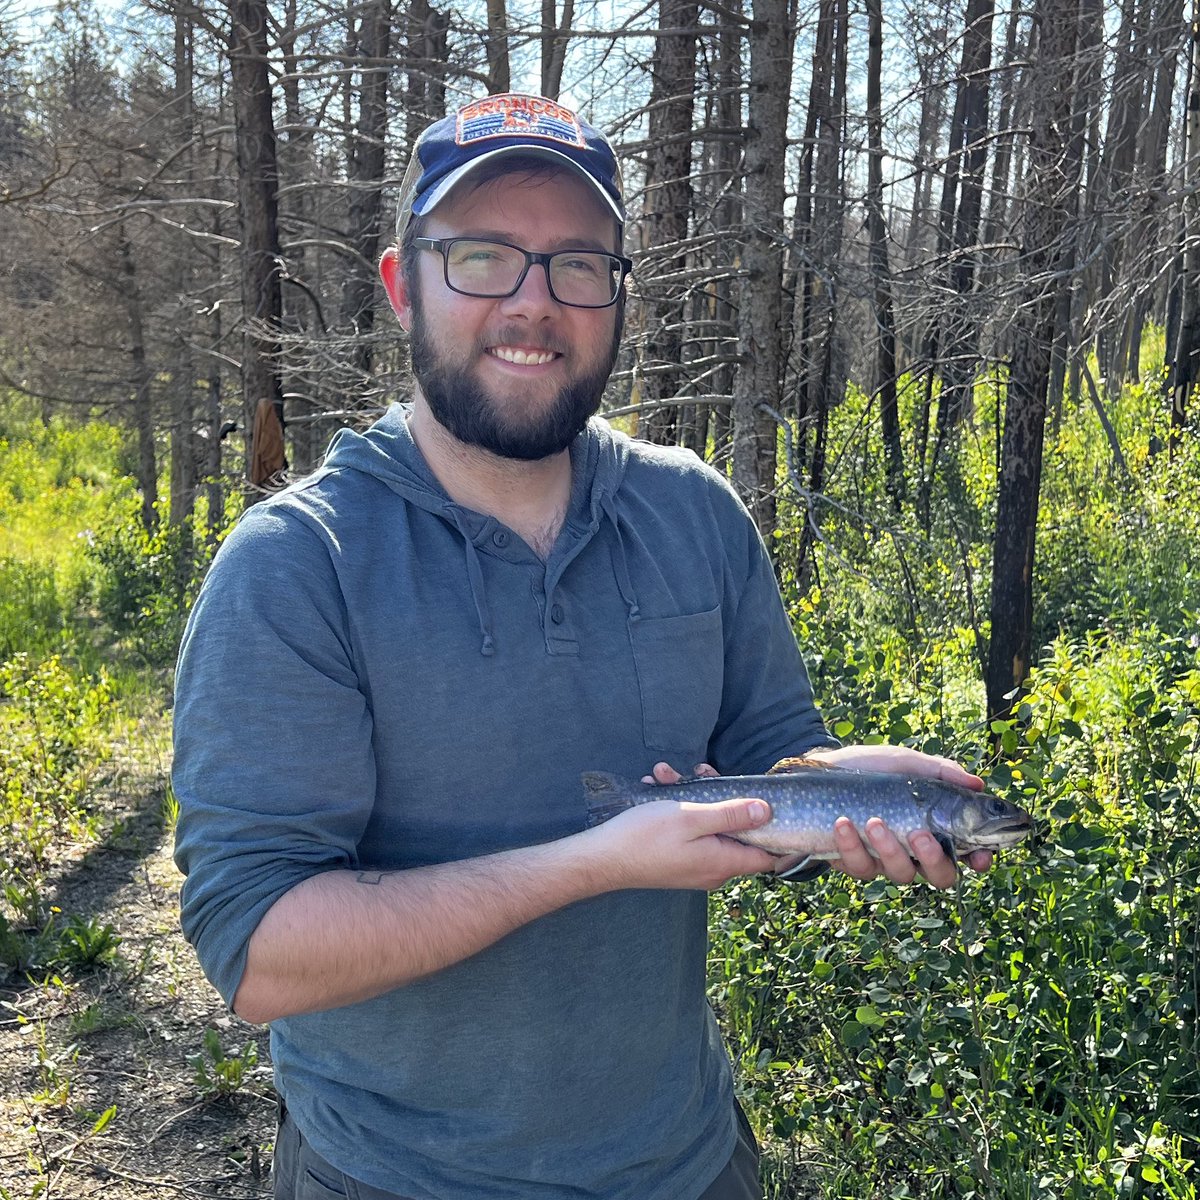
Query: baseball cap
{"type": "Point", "coordinates": [494, 126]}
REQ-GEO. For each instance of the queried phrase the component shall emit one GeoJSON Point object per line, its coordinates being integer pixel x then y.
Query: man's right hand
{"type": "Point", "coordinates": [341, 937]}
{"type": "Point", "coordinates": [670, 844]}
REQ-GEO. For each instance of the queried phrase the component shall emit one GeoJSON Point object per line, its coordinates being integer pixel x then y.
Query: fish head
{"type": "Point", "coordinates": [978, 821]}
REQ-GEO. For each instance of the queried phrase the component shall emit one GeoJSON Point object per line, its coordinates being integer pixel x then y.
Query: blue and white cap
{"type": "Point", "coordinates": [495, 126]}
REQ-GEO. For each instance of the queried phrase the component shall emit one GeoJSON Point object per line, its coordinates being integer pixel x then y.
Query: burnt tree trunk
{"type": "Point", "coordinates": [1046, 236]}
{"type": "Point", "coordinates": [143, 411]}
{"type": "Point", "coordinates": [760, 308]}
{"type": "Point", "coordinates": [365, 179]}
{"type": "Point", "coordinates": [1185, 368]}
{"type": "Point", "coordinates": [667, 207]}
{"type": "Point", "coordinates": [257, 209]}
{"type": "Point", "coordinates": [881, 276]}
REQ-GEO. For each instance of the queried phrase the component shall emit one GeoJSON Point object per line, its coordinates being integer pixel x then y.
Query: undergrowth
{"type": "Point", "coordinates": [1030, 1036]}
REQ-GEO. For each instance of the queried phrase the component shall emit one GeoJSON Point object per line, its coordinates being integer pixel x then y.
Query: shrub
{"type": "Point", "coordinates": [145, 582]}
{"type": "Point", "coordinates": [35, 617]}
{"type": "Point", "coordinates": [50, 748]}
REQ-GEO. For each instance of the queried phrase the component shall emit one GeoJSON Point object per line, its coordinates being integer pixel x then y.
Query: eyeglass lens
{"type": "Point", "coordinates": [581, 277]}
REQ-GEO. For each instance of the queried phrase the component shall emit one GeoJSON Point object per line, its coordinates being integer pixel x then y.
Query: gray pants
{"type": "Point", "coordinates": [300, 1173]}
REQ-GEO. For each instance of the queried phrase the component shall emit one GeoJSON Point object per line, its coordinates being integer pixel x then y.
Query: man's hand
{"type": "Point", "coordinates": [895, 857]}
{"type": "Point", "coordinates": [669, 844]}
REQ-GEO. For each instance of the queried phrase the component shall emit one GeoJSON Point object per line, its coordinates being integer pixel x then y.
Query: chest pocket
{"type": "Point", "coordinates": [680, 664]}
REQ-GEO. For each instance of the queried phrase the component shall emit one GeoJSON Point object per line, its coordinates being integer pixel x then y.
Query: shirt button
{"type": "Point", "coordinates": [557, 614]}
{"type": "Point", "coordinates": [500, 538]}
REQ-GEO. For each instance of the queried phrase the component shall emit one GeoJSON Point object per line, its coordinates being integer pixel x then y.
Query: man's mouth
{"type": "Point", "coordinates": [523, 358]}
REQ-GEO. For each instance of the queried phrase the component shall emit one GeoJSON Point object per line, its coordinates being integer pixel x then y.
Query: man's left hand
{"type": "Point", "coordinates": [896, 859]}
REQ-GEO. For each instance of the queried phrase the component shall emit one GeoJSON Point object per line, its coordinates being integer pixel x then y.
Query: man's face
{"type": "Point", "coordinates": [517, 376]}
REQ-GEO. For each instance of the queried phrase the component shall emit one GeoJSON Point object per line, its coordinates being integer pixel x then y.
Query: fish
{"type": "Point", "coordinates": [807, 797]}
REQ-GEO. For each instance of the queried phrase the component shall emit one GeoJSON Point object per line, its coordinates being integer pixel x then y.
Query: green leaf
{"type": "Point", "coordinates": [867, 1014]}
{"type": "Point", "coordinates": [105, 1117]}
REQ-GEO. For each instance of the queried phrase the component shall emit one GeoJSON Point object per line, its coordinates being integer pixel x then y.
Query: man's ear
{"type": "Point", "coordinates": [395, 286]}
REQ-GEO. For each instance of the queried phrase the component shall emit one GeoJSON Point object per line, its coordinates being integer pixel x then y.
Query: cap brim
{"type": "Point", "coordinates": [436, 195]}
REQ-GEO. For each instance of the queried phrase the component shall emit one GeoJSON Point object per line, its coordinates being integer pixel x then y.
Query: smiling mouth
{"type": "Point", "coordinates": [523, 358]}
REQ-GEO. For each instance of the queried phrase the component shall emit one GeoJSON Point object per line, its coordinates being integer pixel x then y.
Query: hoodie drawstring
{"type": "Point", "coordinates": [478, 588]}
{"type": "Point", "coordinates": [621, 560]}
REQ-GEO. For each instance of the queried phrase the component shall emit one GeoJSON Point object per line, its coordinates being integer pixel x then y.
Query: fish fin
{"type": "Point", "coordinates": [788, 766]}
{"type": "Point", "coordinates": [805, 869]}
{"type": "Point", "coordinates": [606, 795]}
{"type": "Point", "coordinates": [948, 847]}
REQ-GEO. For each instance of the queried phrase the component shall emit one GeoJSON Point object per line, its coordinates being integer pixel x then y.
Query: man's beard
{"type": "Point", "coordinates": [464, 407]}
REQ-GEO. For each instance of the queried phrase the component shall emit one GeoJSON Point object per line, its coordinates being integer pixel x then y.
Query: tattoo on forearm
{"type": "Point", "coordinates": [372, 876]}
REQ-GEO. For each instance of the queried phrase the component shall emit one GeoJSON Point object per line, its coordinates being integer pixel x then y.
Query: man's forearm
{"type": "Point", "coordinates": [345, 936]}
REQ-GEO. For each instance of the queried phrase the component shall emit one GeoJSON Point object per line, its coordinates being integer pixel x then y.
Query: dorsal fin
{"type": "Point", "coordinates": [786, 766]}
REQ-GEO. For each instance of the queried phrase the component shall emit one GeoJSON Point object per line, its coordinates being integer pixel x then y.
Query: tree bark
{"type": "Point", "coordinates": [554, 45]}
{"type": "Point", "coordinates": [143, 412]}
{"type": "Point", "coordinates": [1186, 367]}
{"type": "Point", "coordinates": [257, 212]}
{"type": "Point", "coordinates": [365, 171]}
{"type": "Point", "coordinates": [1051, 189]}
{"type": "Point", "coordinates": [951, 347]}
{"type": "Point", "coordinates": [881, 276]}
{"type": "Point", "coordinates": [760, 307]}
{"type": "Point", "coordinates": [183, 440]}
{"type": "Point", "coordinates": [667, 207]}
{"type": "Point", "coordinates": [496, 45]}
{"type": "Point", "coordinates": [724, 155]}
{"type": "Point", "coordinates": [820, 217]}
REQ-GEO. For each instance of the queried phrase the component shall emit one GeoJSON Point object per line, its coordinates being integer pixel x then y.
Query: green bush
{"type": "Point", "coordinates": [144, 582]}
{"type": "Point", "coordinates": [51, 746]}
{"type": "Point", "coordinates": [35, 616]}
{"type": "Point", "coordinates": [1032, 1035]}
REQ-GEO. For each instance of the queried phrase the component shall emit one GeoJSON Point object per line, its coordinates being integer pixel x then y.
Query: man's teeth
{"type": "Point", "coordinates": [524, 358]}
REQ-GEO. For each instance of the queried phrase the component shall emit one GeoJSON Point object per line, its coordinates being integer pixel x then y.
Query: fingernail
{"type": "Point", "coordinates": [760, 810]}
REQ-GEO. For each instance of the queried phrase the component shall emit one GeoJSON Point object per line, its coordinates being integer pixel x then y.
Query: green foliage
{"type": "Point", "coordinates": [145, 582]}
{"type": "Point", "coordinates": [218, 1076]}
{"type": "Point", "coordinates": [52, 721]}
{"type": "Point", "coordinates": [56, 479]}
{"type": "Point", "coordinates": [85, 943]}
{"type": "Point", "coordinates": [35, 616]}
{"type": "Point", "coordinates": [49, 945]}
{"type": "Point", "coordinates": [1033, 1035]}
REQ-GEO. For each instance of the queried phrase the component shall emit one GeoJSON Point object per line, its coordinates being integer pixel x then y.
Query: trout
{"type": "Point", "coordinates": [807, 797]}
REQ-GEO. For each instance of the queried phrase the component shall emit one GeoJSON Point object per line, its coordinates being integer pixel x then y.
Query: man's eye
{"type": "Point", "coordinates": [583, 265]}
{"type": "Point", "coordinates": [476, 254]}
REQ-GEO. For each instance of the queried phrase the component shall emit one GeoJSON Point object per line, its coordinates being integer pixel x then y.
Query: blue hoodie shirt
{"type": "Point", "coordinates": [374, 676]}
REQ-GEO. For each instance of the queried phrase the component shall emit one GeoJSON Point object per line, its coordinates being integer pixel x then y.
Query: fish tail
{"type": "Point", "coordinates": [606, 795]}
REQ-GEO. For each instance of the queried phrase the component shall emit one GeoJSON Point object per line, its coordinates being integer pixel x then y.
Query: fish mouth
{"type": "Point", "coordinates": [1004, 834]}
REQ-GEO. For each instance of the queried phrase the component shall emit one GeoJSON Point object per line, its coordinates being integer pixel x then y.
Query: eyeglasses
{"type": "Point", "coordinates": [578, 278]}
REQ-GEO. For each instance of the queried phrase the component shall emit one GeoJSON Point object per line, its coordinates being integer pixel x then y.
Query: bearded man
{"type": "Point", "coordinates": [392, 681]}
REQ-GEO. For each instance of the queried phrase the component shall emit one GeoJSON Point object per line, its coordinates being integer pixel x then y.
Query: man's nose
{"type": "Point", "coordinates": [532, 299]}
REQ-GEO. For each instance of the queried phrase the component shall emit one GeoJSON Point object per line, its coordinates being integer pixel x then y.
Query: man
{"type": "Point", "coordinates": [392, 681]}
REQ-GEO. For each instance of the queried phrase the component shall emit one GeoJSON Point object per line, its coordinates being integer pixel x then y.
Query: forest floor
{"type": "Point", "coordinates": [130, 1033]}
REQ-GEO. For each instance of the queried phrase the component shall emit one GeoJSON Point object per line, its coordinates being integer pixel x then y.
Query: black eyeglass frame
{"type": "Point", "coordinates": [532, 258]}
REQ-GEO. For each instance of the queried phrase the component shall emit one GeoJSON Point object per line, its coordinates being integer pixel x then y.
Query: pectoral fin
{"type": "Point", "coordinates": [801, 870]}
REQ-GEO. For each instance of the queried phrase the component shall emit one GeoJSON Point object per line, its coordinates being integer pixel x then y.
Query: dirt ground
{"type": "Point", "coordinates": [75, 1044]}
